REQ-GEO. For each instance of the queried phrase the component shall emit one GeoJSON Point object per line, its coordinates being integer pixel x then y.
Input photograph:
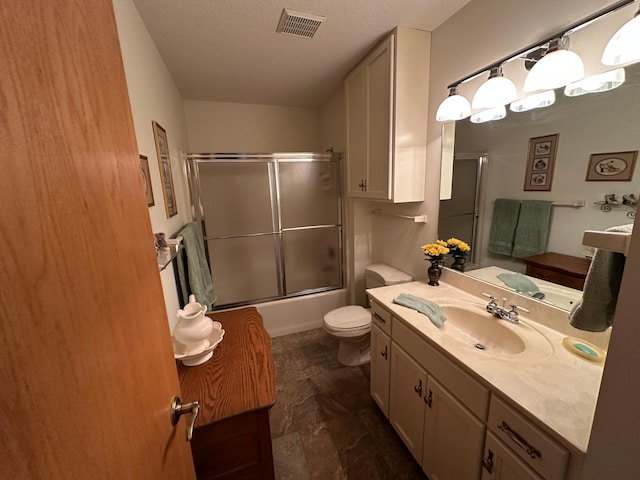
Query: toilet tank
{"type": "Point", "coordinates": [381, 274]}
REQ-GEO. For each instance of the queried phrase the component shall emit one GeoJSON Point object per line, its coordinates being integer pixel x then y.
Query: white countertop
{"type": "Point", "coordinates": [550, 385]}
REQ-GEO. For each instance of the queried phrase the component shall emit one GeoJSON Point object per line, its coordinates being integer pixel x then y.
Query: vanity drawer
{"type": "Point", "coordinates": [536, 448]}
{"type": "Point", "coordinates": [465, 388]}
{"type": "Point", "coordinates": [381, 317]}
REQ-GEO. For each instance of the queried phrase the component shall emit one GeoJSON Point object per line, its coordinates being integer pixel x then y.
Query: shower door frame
{"type": "Point", "coordinates": [273, 160]}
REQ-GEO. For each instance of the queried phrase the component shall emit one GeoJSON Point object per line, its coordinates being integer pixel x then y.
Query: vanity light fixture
{"type": "Point", "coordinates": [556, 68]}
{"type": "Point", "coordinates": [454, 107]}
{"type": "Point", "coordinates": [497, 113]}
{"type": "Point", "coordinates": [538, 100]}
{"type": "Point", "coordinates": [624, 46]}
{"type": "Point", "coordinates": [495, 92]}
{"type": "Point", "coordinates": [596, 83]}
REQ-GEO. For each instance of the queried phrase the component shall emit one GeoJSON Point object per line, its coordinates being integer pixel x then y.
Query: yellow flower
{"type": "Point", "coordinates": [455, 244]}
{"type": "Point", "coordinates": [434, 249]}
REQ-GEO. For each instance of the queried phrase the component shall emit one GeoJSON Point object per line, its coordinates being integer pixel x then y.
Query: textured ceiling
{"type": "Point", "coordinates": [228, 50]}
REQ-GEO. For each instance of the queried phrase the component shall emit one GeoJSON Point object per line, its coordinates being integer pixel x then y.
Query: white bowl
{"type": "Point", "coordinates": [191, 359]}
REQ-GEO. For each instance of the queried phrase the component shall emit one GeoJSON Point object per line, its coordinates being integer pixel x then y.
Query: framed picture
{"type": "Point", "coordinates": [146, 180]}
{"type": "Point", "coordinates": [611, 167]}
{"type": "Point", "coordinates": [164, 163]}
{"type": "Point", "coordinates": [541, 160]}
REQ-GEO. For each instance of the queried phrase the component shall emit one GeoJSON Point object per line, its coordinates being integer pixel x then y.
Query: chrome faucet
{"type": "Point", "coordinates": [500, 312]}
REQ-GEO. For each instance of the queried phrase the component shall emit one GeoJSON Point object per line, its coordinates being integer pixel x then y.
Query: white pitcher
{"type": "Point", "coordinates": [194, 327]}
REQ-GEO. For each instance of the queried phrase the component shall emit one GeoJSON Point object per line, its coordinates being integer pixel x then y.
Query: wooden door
{"type": "Point", "coordinates": [86, 365]}
{"type": "Point", "coordinates": [355, 87]}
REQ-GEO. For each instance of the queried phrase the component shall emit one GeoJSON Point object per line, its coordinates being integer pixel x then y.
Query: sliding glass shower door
{"type": "Point", "coordinates": [271, 223]}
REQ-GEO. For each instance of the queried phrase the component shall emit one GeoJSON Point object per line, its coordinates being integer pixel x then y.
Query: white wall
{"type": "Point", "coordinates": [154, 96]}
{"type": "Point", "coordinates": [247, 128]}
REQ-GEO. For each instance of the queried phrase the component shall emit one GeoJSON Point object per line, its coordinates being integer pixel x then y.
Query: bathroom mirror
{"type": "Point", "coordinates": [588, 124]}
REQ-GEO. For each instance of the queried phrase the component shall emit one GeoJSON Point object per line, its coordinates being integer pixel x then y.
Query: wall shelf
{"type": "Point", "coordinates": [607, 207]}
{"type": "Point", "coordinates": [166, 256]}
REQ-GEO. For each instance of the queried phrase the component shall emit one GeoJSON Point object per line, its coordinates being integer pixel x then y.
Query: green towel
{"type": "Point", "coordinates": [532, 231]}
{"type": "Point", "coordinates": [426, 307]}
{"type": "Point", "coordinates": [519, 283]}
{"type": "Point", "coordinates": [594, 311]}
{"type": "Point", "coordinates": [503, 225]}
{"type": "Point", "coordinates": [194, 276]}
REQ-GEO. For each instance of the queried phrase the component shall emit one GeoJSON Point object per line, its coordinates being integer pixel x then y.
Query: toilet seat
{"type": "Point", "coordinates": [348, 319]}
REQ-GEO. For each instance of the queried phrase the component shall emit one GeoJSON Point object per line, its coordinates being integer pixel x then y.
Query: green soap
{"type": "Point", "coordinates": [585, 349]}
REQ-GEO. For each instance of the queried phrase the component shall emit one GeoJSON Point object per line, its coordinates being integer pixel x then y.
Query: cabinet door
{"type": "Point", "coordinates": [453, 437]}
{"type": "Point", "coordinates": [356, 99]}
{"type": "Point", "coordinates": [500, 463]}
{"type": "Point", "coordinates": [380, 361]}
{"type": "Point", "coordinates": [406, 405]}
{"type": "Point", "coordinates": [379, 113]}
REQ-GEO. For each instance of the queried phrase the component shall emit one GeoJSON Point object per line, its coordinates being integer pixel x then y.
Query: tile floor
{"type": "Point", "coordinates": [325, 425]}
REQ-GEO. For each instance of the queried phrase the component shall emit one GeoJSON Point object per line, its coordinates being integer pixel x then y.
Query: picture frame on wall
{"type": "Point", "coordinates": [164, 164]}
{"type": "Point", "coordinates": [541, 160]}
{"type": "Point", "coordinates": [146, 180]}
{"type": "Point", "coordinates": [611, 167]}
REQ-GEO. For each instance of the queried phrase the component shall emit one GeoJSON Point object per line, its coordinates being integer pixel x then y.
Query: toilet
{"type": "Point", "coordinates": [351, 325]}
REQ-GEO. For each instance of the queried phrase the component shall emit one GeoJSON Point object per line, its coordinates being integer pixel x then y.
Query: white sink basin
{"type": "Point", "coordinates": [471, 324]}
{"type": "Point", "coordinates": [482, 330]}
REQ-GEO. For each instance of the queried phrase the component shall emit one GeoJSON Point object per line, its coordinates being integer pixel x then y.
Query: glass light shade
{"type": "Point", "coordinates": [495, 92]}
{"type": "Point", "coordinates": [497, 113]}
{"type": "Point", "coordinates": [624, 46]}
{"type": "Point", "coordinates": [596, 83]}
{"type": "Point", "coordinates": [454, 107]}
{"type": "Point", "coordinates": [539, 100]}
{"type": "Point", "coordinates": [554, 70]}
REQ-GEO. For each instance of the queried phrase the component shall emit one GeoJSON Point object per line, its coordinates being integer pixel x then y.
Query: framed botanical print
{"type": "Point", "coordinates": [541, 160]}
{"type": "Point", "coordinates": [164, 164]}
{"type": "Point", "coordinates": [610, 167]}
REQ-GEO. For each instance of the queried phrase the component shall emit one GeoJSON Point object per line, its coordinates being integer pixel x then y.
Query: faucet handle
{"type": "Point", "coordinates": [492, 303]}
{"type": "Point", "coordinates": [515, 308]}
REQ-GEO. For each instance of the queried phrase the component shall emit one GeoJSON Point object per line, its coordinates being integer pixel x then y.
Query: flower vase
{"type": "Point", "coordinates": [458, 262]}
{"type": "Point", "coordinates": [434, 272]}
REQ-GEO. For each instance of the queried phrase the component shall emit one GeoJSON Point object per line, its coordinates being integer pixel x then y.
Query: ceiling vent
{"type": "Point", "coordinates": [299, 24]}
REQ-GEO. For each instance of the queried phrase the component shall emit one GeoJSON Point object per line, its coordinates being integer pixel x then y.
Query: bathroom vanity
{"type": "Point", "coordinates": [481, 398]}
{"type": "Point", "coordinates": [236, 389]}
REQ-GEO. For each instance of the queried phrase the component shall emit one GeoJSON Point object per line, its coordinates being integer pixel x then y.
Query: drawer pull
{"type": "Point", "coordinates": [379, 318]}
{"type": "Point", "coordinates": [519, 440]}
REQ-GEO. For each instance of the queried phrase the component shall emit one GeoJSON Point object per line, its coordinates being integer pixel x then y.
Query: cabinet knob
{"type": "Point", "coordinates": [487, 462]}
{"type": "Point", "coordinates": [384, 352]}
{"type": "Point", "coordinates": [363, 184]}
{"type": "Point", "coordinates": [428, 398]}
{"type": "Point", "coordinates": [418, 388]}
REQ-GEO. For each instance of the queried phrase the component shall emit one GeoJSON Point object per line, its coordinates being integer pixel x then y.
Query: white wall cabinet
{"type": "Point", "coordinates": [386, 103]}
{"type": "Point", "coordinates": [454, 426]}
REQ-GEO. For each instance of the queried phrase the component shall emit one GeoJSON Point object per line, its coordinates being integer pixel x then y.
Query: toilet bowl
{"type": "Point", "coordinates": [351, 325]}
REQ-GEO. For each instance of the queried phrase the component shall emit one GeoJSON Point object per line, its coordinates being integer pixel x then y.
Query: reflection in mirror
{"type": "Point", "coordinates": [586, 125]}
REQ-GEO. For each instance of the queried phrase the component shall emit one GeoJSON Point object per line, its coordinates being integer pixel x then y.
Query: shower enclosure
{"type": "Point", "coordinates": [271, 223]}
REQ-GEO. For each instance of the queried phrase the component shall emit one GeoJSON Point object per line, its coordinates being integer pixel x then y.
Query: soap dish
{"type": "Point", "coordinates": [584, 349]}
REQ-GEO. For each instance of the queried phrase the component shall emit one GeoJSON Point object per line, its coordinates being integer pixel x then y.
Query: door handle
{"type": "Point", "coordinates": [178, 409]}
